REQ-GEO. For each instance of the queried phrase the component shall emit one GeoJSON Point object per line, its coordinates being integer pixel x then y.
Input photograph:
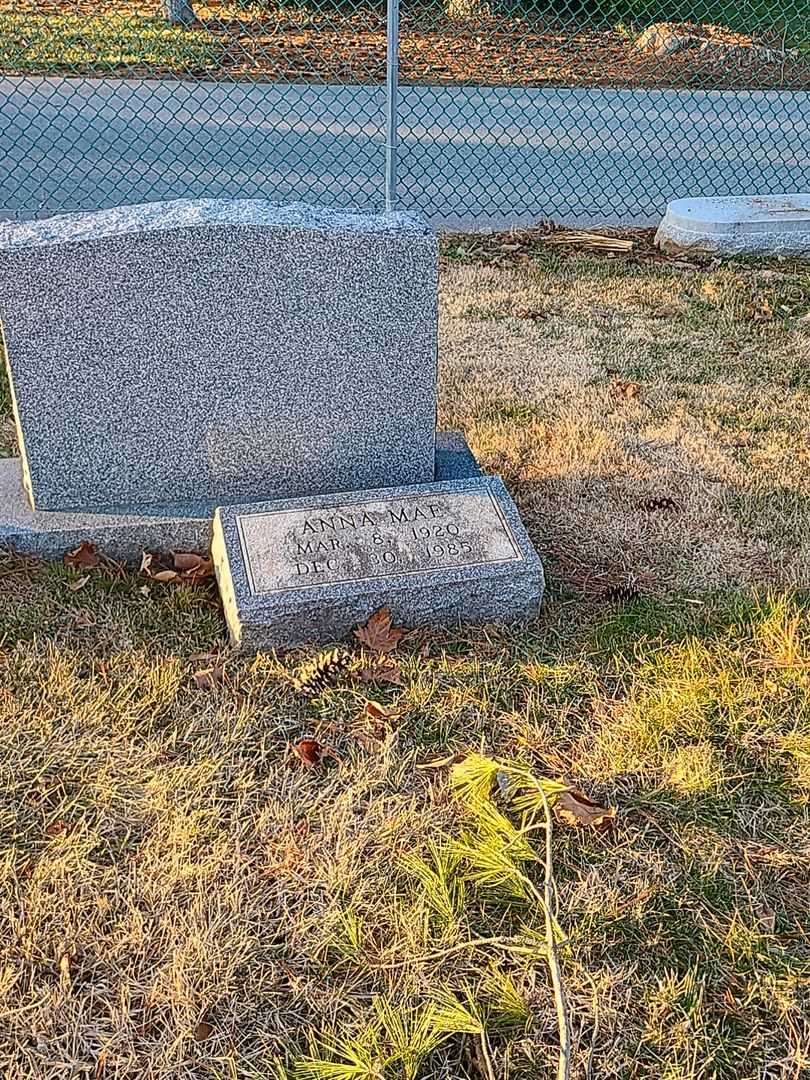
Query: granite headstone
{"type": "Point", "coordinates": [125, 533]}
{"type": "Point", "coordinates": [278, 363]}
{"type": "Point", "coordinates": [219, 350]}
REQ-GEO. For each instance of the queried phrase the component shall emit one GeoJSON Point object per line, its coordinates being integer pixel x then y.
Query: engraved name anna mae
{"type": "Point", "coordinates": [315, 536]}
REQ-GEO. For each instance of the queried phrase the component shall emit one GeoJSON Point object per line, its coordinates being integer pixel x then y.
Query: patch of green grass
{"type": "Point", "coordinates": [778, 515]}
{"type": "Point", "coordinates": [638, 628]}
{"type": "Point", "coordinates": [112, 41]}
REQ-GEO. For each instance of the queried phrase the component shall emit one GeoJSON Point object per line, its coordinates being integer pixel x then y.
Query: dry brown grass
{"type": "Point", "coordinates": [180, 898]}
{"type": "Point", "coordinates": [595, 387]}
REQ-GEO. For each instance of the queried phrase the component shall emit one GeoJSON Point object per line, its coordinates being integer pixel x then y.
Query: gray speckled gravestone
{"type": "Point", "coordinates": [215, 350]}
{"type": "Point", "coordinates": [276, 363]}
{"type": "Point", "coordinates": [125, 533]}
{"type": "Point", "coordinates": [299, 571]}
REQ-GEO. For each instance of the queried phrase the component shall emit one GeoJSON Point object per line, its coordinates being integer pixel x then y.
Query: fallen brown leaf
{"type": "Point", "coordinates": [378, 634]}
{"type": "Point", "coordinates": [193, 566]}
{"type": "Point", "coordinates": [375, 725]}
{"type": "Point", "coordinates": [371, 741]}
{"type": "Point", "coordinates": [377, 711]}
{"type": "Point", "coordinates": [153, 569]}
{"type": "Point", "coordinates": [761, 311]}
{"type": "Point", "coordinates": [310, 751]}
{"type": "Point", "coordinates": [203, 1031]}
{"type": "Point", "coordinates": [80, 583]}
{"type": "Point", "coordinates": [208, 678]}
{"type": "Point", "coordinates": [204, 570]}
{"type": "Point", "coordinates": [186, 560]}
{"type": "Point", "coordinates": [85, 556]}
{"type": "Point", "coordinates": [165, 576]}
{"type": "Point", "coordinates": [187, 566]}
{"type": "Point", "coordinates": [626, 388]}
{"type": "Point", "coordinates": [575, 808]}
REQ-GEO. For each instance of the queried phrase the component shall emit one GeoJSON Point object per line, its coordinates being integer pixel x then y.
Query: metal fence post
{"type": "Point", "coordinates": [391, 92]}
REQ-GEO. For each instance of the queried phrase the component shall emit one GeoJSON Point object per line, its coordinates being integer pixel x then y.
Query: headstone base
{"type": "Point", "coordinates": [307, 571]}
{"type": "Point", "coordinates": [125, 534]}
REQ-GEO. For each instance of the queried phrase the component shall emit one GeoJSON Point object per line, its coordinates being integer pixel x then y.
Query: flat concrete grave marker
{"type": "Point", "coordinates": [219, 351]}
{"type": "Point", "coordinates": [737, 224]}
{"type": "Point", "coordinates": [309, 570]}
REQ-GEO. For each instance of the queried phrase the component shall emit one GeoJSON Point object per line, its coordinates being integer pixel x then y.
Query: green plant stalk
{"type": "Point", "coordinates": [546, 900]}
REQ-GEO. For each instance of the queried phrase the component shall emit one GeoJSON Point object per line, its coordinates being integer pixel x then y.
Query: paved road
{"type": "Point", "coordinates": [468, 156]}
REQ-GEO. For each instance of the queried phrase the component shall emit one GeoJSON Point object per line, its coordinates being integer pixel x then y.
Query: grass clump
{"type": "Point", "coordinates": [112, 41]}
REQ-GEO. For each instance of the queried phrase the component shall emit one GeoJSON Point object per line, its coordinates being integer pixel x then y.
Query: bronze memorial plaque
{"type": "Point", "coordinates": [378, 538]}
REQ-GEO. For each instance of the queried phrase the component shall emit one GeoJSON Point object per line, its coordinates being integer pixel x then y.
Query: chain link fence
{"type": "Point", "coordinates": [583, 110]}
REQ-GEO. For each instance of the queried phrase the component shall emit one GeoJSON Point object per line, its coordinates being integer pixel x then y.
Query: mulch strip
{"type": "Point", "coordinates": [516, 247]}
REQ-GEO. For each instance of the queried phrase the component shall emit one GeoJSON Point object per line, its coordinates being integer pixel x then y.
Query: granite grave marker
{"type": "Point", "coordinates": [278, 363]}
{"type": "Point", "coordinates": [125, 533]}
{"type": "Point", "coordinates": [216, 350]}
{"type": "Point", "coordinates": [297, 571]}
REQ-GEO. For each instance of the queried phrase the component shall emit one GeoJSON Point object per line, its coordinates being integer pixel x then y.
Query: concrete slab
{"type": "Point", "coordinates": [122, 534]}
{"type": "Point", "coordinates": [744, 224]}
